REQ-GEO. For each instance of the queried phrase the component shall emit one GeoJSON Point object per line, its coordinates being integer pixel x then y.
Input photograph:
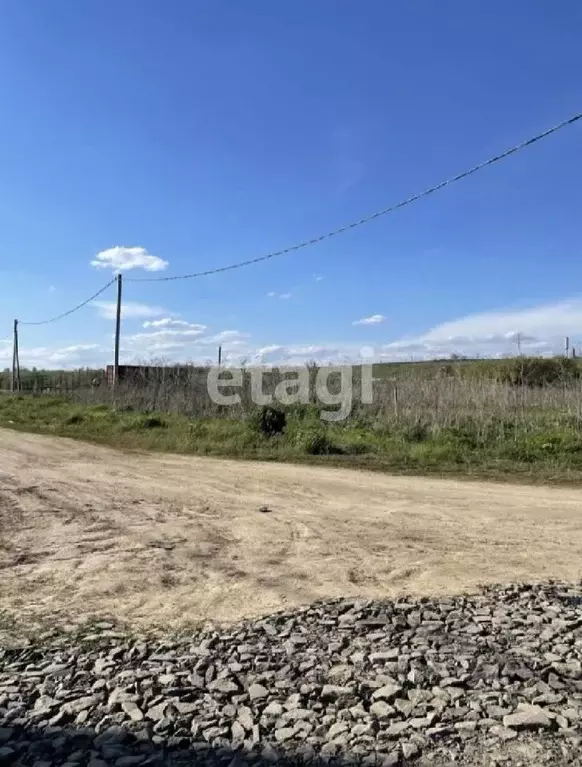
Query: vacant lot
{"type": "Point", "coordinates": [162, 540]}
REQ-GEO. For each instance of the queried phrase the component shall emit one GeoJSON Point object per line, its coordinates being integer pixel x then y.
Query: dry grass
{"type": "Point", "coordinates": [520, 418]}
{"type": "Point", "coordinates": [443, 399]}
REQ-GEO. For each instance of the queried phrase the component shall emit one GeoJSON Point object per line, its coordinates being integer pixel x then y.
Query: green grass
{"type": "Point", "coordinates": [548, 448]}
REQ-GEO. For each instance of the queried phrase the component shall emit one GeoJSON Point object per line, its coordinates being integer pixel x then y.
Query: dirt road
{"type": "Point", "coordinates": [166, 540]}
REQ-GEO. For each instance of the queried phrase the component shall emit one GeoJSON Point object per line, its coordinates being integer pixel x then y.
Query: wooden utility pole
{"type": "Point", "coordinates": [117, 332]}
{"type": "Point", "coordinates": [15, 380]}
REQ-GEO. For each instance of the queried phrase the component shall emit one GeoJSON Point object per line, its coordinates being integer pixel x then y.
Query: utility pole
{"type": "Point", "coordinates": [15, 380]}
{"type": "Point", "coordinates": [219, 355]}
{"type": "Point", "coordinates": [117, 332]}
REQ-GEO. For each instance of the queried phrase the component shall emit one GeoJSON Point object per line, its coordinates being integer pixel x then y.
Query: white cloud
{"type": "Point", "coordinates": [64, 357]}
{"type": "Point", "coordinates": [269, 353]}
{"type": "Point", "coordinates": [281, 296]}
{"type": "Point", "coordinates": [540, 330]}
{"type": "Point", "coordinates": [375, 319]}
{"type": "Point", "coordinates": [129, 309]}
{"type": "Point", "coordinates": [229, 335]}
{"type": "Point", "coordinates": [168, 322]}
{"type": "Point", "coordinates": [120, 258]}
{"type": "Point", "coordinates": [562, 318]}
{"type": "Point", "coordinates": [74, 353]}
{"type": "Point", "coordinates": [164, 334]}
{"type": "Point", "coordinates": [185, 342]}
{"type": "Point", "coordinates": [533, 330]}
{"type": "Point", "coordinates": [318, 277]}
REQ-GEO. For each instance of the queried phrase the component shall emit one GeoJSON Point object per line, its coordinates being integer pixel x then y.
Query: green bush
{"type": "Point", "coordinates": [300, 413]}
{"type": "Point", "coordinates": [538, 371]}
{"type": "Point", "coordinates": [358, 447]}
{"type": "Point", "coordinates": [416, 432]}
{"type": "Point", "coordinates": [269, 421]}
{"type": "Point", "coordinates": [145, 422]}
{"type": "Point", "coordinates": [74, 418]}
{"type": "Point", "coordinates": [464, 433]}
{"type": "Point", "coordinates": [435, 454]}
{"type": "Point", "coordinates": [315, 441]}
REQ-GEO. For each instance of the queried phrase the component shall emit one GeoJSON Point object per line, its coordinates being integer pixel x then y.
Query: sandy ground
{"type": "Point", "coordinates": [163, 540]}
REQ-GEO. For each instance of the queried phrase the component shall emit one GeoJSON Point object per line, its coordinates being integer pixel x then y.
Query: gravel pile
{"type": "Point", "coordinates": [387, 683]}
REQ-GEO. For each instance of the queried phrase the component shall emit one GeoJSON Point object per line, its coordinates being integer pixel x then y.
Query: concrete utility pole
{"type": "Point", "coordinates": [117, 332]}
{"type": "Point", "coordinates": [15, 379]}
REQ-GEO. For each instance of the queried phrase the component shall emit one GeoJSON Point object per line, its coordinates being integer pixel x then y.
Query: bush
{"type": "Point", "coordinates": [153, 422]}
{"type": "Point", "coordinates": [269, 421]}
{"type": "Point", "coordinates": [316, 442]}
{"type": "Point", "coordinates": [435, 454]}
{"type": "Point", "coordinates": [74, 418]}
{"type": "Point", "coordinates": [145, 422]}
{"type": "Point", "coordinates": [301, 413]}
{"type": "Point", "coordinates": [358, 447]}
{"type": "Point", "coordinates": [416, 432]}
{"type": "Point", "coordinates": [464, 433]}
{"type": "Point", "coordinates": [538, 371]}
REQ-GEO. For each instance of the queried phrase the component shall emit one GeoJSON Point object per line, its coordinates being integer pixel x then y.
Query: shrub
{"type": "Point", "coordinates": [74, 418]}
{"type": "Point", "coordinates": [103, 408]}
{"type": "Point", "coordinates": [269, 421]}
{"type": "Point", "coordinates": [152, 422]}
{"type": "Point", "coordinates": [465, 433]}
{"type": "Point", "coordinates": [316, 442]}
{"type": "Point", "coordinates": [358, 447]}
{"type": "Point", "coordinates": [416, 432]}
{"type": "Point", "coordinates": [301, 413]}
{"type": "Point", "coordinates": [145, 422]}
{"type": "Point", "coordinates": [538, 371]}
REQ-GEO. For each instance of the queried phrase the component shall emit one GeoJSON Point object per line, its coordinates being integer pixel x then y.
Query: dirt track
{"type": "Point", "coordinates": [166, 540]}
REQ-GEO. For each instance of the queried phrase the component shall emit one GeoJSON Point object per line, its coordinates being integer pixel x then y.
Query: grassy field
{"type": "Point", "coordinates": [465, 425]}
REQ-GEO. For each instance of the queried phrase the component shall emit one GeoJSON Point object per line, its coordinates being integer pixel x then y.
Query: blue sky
{"type": "Point", "coordinates": [203, 132]}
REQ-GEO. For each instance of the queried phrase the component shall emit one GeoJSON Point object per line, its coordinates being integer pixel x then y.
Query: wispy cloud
{"type": "Point", "coordinates": [71, 356]}
{"type": "Point", "coordinates": [164, 334]}
{"type": "Point", "coordinates": [169, 322]}
{"type": "Point", "coordinates": [130, 309]}
{"type": "Point", "coordinates": [121, 258]}
{"type": "Point", "coordinates": [534, 330]}
{"type": "Point", "coordinates": [282, 296]}
{"type": "Point", "coordinates": [318, 277]}
{"type": "Point", "coordinates": [230, 335]}
{"type": "Point", "coordinates": [562, 318]}
{"type": "Point", "coordinates": [186, 343]}
{"type": "Point", "coordinates": [374, 319]}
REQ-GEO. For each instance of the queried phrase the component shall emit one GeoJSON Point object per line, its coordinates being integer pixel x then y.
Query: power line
{"type": "Point", "coordinates": [74, 309]}
{"type": "Point", "coordinates": [371, 217]}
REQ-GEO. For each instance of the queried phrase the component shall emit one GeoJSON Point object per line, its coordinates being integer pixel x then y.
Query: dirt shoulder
{"type": "Point", "coordinates": [164, 540]}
